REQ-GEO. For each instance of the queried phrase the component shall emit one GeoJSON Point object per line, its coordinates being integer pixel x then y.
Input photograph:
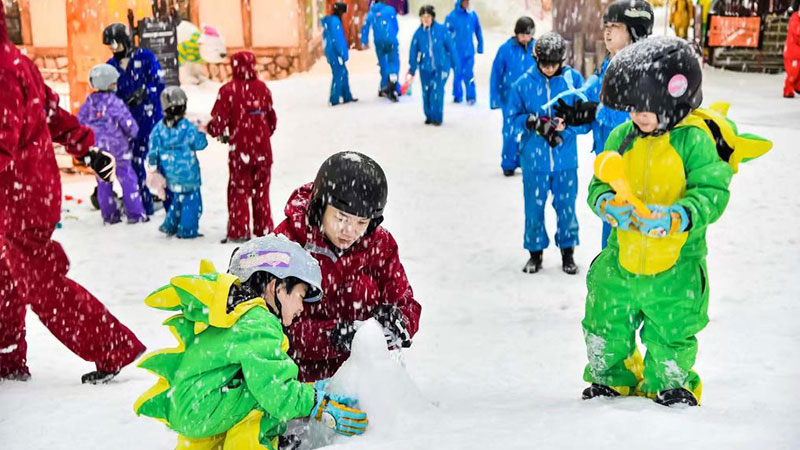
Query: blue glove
{"type": "Point", "coordinates": [343, 419]}
{"type": "Point", "coordinates": [322, 385]}
{"type": "Point", "coordinates": [618, 215]}
{"type": "Point", "coordinates": [664, 220]}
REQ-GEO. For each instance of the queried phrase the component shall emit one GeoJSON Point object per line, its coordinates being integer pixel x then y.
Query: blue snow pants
{"type": "Point", "coordinates": [183, 215]}
{"type": "Point", "coordinates": [340, 86]}
{"type": "Point", "coordinates": [433, 83]}
{"type": "Point", "coordinates": [464, 75]}
{"type": "Point", "coordinates": [564, 186]}
{"type": "Point", "coordinates": [510, 155]}
{"type": "Point", "coordinates": [139, 150]}
{"type": "Point", "coordinates": [389, 62]}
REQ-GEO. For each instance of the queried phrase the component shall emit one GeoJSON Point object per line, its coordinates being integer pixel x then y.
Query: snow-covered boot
{"type": "Point", "coordinates": [672, 397]}
{"type": "Point", "coordinates": [98, 377]}
{"type": "Point", "coordinates": [534, 263]}
{"type": "Point", "coordinates": [567, 261]}
{"type": "Point", "coordinates": [598, 390]}
{"type": "Point", "coordinates": [508, 172]}
{"type": "Point", "coordinates": [289, 442]}
{"type": "Point", "coordinates": [16, 375]}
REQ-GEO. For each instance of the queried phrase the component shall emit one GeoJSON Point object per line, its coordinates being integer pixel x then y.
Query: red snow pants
{"type": "Point", "coordinates": [248, 182]}
{"type": "Point", "coordinates": [33, 272]}
{"type": "Point", "coordinates": [792, 83]}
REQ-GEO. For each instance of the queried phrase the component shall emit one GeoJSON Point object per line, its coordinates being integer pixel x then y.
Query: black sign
{"type": "Point", "coordinates": [161, 37]}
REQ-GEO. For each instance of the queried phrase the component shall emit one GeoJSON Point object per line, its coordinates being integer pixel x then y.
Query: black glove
{"type": "Point", "coordinates": [101, 162]}
{"type": "Point", "coordinates": [578, 114]}
{"type": "Point", "coordinates": [394, 322]}
{"type": "Point", "coordinates": [224, 138]}
{"type": "Point", "coordinates": [342, 336]}
{"type": "Point", "coordinates": [137, 97]}
{"type": "Point", "coordinates": [546, 127]}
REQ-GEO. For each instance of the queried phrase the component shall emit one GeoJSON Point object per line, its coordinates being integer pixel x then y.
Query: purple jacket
{"type": "Point", "coordinates": [111, 122]}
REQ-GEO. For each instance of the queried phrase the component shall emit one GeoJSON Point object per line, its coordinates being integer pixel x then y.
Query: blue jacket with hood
{"type": "Point", "coordinates": [511, 62]}
{"type": "Point", "coordinates": [336, 49]}
{"type": "Point", "coordinates": [382, 18]}
{"type": "Point", "coordinates": [142, 70]}
{"type": "Point", "coordinates": [172, 150]}
{"type": "Point", "coordinates": [529, 94]}
{"type": "Point", "coordinates": [463, 24]}
{"type": "Point", "coordinates": [432, 49]}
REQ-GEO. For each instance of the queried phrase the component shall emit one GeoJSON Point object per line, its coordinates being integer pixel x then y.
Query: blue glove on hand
{"type": "Point", "coordinates": [664, 220]}
{"type": "Point", "coordinates": [618, 215]}
{"type": "Point", "coordinates": [322, 385]}
{"type": "Point", "coordinates": [341, 418]}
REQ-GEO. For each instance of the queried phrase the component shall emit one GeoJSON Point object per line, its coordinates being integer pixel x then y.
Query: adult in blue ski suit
{"type": "Point", "coordinates": [549, 153]}
{"type": "Point", "coordinates": [463, 24]}
{"type": "Point", "coordinates": [337, 54]}
{"type": "Point", "coordinates": [513, 59]}
{"type": "Point", "coordinates": [139, 86]}
{"type": "Point", "coordinates": [382, 19]}
{"type": "Point", "coordinates": [624, 23]}
{"type": "Point", "coordinates": [433, 51]}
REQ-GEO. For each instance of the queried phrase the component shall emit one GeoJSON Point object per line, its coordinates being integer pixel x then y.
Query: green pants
{"type": "Point", "coordinates": [670, 307]}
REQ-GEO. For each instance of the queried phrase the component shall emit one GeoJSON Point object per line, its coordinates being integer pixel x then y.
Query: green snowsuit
{"type": "Point", "coordinates": [230, 363]}
{"type": "Point", "coordinates": [657, 283]}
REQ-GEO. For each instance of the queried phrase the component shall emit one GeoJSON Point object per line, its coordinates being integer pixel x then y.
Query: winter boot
{"type": "Point", "coordinates": [534, 264]}
{"type": "Point", "coordinates": [289, 442]}
{"type": "Point", "coordinates": [598, 390]}
{"type": "Point", "coordinates": [567, 262]}
{"type": "Point", "coordinates": [672, 397]}
{"type": "Point", "coordinates": [16, 375]}
{"type": "Point", "coordinates": [508, 172]}
{"type": "Point", "coordinates": [390, 91]}
{"type": "Point", "coordinates": [98, 377]}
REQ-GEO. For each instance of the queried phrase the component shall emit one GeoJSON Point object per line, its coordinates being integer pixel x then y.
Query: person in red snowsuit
{"type": "Point", "coordinates": [362, 276]}
{"type": "Point", "coordinates": [33, 267]}
{"type": "Point", "coordinates": [244, 117]}
{"type": "Point", "coordinates": [791, 55]}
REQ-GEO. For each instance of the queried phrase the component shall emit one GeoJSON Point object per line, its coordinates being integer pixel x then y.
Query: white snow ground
{"type": "Point", "coordinates": [500, 352]}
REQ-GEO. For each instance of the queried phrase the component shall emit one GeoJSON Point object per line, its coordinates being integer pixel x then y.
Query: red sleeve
{"type": "Point", "coordinates": [394, 287]}
{"type": "Point", "coordinates": [310, 337]}
{"type": "Point", "coordinates": [10, 122]}
{"type": "Point", "coordinates": [221, 113]}
{"type": "Point", "coordinates": [272, 118]}
{"type": "Point", "coordinates": [65, 128]}
{"type": "Point", "coordinates": [794, 28]}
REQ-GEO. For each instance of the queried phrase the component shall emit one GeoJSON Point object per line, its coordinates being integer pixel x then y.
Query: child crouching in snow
{"type": "Point", "coordinates": [230, 383]}
{"type": "Point", "coordinates": [653, 272]}
{"type": "Point", "coordinates": [173, 143]}
{"type": "Point", "coordinates": [113, 128]}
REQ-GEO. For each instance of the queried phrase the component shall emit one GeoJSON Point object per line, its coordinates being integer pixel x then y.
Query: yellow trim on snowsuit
{"type": "Point", "coordinates": [243, 436]}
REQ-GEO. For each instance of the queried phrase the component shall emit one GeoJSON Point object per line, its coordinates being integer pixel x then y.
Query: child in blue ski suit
{"type": "Point", "coordinates": [173, 144]}
{"type": "Point", "coordinates": [624, 23]}
{"type": "Point", "coordinates": [463, 23]}
{"type": "Point", "coordinates": [139, 86]}
{"type": "Point", "coordinates": [549, 153]}
{"type": "Point", "coordinates": [433, 51]}
{"type": "Point", "coordinates": [382, 18]}
{"type": "Point", "coordinates": [337, 54]}
{"type": "Point", "coordinates": [513, 59]}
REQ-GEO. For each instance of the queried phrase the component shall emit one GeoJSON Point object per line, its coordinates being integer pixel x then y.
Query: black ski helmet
{"type": "Point", "coordinates": [637, 15]}
{"type": "Point", "coordinates": [525, 25]}
{"type": "Point", "coordinates": [117, 32]}
{"type": "Point", "coordinates": [551, 48]}
{"type": "Point", "coordinates": [661, 75]}
{"type": "Point", "coordinates": [339, 8]}
{"type": "Point", "coordinates": [427, 9]}
{"type": "Point", "coordinates": [352, 182]}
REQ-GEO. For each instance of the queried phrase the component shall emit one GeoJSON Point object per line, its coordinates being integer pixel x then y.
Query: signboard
{"type": "Point", "coordinates": [734, 31]}
{"type": "Point", "coordinates": [160, 37]}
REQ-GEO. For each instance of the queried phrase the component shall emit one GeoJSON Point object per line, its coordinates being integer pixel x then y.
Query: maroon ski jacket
{"type": "Point", "coordinates": [244, 109]}
{"type": "Point", "coordinates": [30, 120]}
{"type": "Point", "coordinates": [354, 282]}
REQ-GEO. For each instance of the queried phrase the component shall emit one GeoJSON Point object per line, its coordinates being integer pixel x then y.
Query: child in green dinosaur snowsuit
{"type": "Point", "coordinates": [653, 273]}
{"type": "Point", "coordinates": [230, 384]}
